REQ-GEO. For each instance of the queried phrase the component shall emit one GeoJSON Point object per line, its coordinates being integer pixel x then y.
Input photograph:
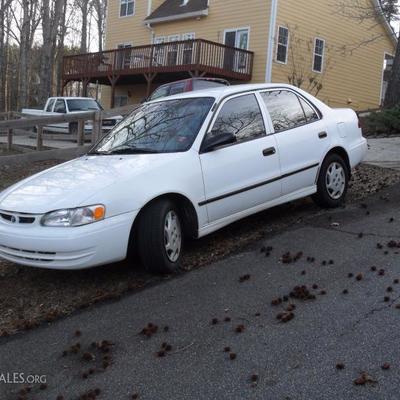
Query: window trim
{"type": "Point", "coordinates": [65, 106]}
{"type": "Point", "coordinates": [286, 46]}
{"type": "Point", "coordinates": [219, 108]}
{"type": "Point", "coordinates": [236, 30]}
{"type": "Point", "coordinates": [319, 55]}
{"type": "Point", "coordinates": [299, 95]}
{"type": "Point", "coordinates": [127, 2]}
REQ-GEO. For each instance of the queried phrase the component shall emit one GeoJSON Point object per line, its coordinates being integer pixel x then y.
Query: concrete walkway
{"type": "Point", "coordinates": [384, 152]}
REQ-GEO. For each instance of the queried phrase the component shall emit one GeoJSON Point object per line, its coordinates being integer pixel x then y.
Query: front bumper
{"type": "Point", "coordinates": [67, 248]}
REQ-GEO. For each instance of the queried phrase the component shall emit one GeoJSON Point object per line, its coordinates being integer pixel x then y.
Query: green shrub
{"type": "Point", "coordinates": [385, 122]}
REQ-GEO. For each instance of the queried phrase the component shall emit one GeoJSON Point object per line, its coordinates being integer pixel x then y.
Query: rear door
{"type": "Point", "coordinates": [242, 175]}
{"type": "Point", "coordinates": [301, 136]}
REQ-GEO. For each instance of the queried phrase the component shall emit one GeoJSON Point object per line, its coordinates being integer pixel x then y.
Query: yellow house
{"type": "Point", "coordinates": [316, 45]}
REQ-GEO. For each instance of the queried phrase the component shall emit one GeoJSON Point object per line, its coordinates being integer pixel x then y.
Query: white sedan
{"type": "Point", "coordinates": [183, 166]}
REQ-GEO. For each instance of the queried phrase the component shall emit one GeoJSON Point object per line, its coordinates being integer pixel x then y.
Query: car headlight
{"type": "Point", "coordinates": [74, 216]}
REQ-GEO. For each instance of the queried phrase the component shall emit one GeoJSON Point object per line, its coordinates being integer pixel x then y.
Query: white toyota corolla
{"type": "Point", "coordinates": [183, 166]}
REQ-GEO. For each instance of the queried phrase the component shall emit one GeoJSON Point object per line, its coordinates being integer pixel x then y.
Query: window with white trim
{"type": "Point", "coordinates": [127, 8]}
{"type": "Point", "coordinates": [282, 45]}
{"type": "Point", "coordinates": [318, 59]}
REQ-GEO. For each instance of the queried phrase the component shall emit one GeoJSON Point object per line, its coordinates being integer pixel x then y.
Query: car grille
{"type": "Point", "coordinates": [21, 254]}
{"type": "Point", "coordinates": [16, 218]}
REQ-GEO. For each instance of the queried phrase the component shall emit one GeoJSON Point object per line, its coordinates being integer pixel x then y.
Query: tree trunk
{"type": "Point", "coordinates": [24, 55]}
{"type": "Point", "coordinates": [84, 29]}
{"type": "Point", "coordinates": [60, 50]}
{"type": "Point", "coordinates": [392, 96]}
{"type": "Point", "coordinates": [51, 17]}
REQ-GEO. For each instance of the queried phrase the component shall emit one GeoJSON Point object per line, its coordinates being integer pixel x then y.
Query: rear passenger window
{"type": "Point", "coordinates": [285, 109]}
{"type": "Point", "coordinates": [176, 89]}
{"type": "Point", "coordinates": [310, 113]}
{"type": "Point", "coordinates": [242, 117]}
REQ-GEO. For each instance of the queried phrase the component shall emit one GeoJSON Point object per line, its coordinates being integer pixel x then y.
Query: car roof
{"type": "Point", "coordinates": [71, 98]}
{"type": "Point", "coordinates": [224, 91]}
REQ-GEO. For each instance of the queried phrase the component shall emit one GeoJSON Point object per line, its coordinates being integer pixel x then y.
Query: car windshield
{"type": "Point", "coordinates": [163, 127]}
{"type": "Point", "coordinates": [83, 105]}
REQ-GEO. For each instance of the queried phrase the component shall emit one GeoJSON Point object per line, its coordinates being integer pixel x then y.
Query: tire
{"type": "Point", "coordinates": [158, 251]}
{"type": "Point", "coordinates": [332, 183]}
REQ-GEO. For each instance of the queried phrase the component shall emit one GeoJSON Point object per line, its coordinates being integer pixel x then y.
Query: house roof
{"type": "Point", "coordinates": [175, 9]}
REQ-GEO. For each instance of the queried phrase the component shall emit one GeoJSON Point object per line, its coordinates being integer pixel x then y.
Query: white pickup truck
{"type": "Point", "coordinates": [70, 105]}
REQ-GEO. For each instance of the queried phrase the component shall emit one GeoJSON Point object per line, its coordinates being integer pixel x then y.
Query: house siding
{"type": "Point", "coordinates": [350, 78]}
{"type": "Point", "coordinates": [223, 15]}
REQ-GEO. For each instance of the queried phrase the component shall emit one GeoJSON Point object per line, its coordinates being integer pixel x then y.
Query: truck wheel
{"type": "Point", "coordinates": [160, 237]}
{"type": "Point", "coordinates": [332, 182]}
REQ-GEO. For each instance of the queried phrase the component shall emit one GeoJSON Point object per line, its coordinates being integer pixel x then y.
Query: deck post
{"type": "Point", "coordinates": [85, 83]}
{"type": "Point", "coordinates": [113, 81]}
{"type": "Point", "coordinates": [149, 78]}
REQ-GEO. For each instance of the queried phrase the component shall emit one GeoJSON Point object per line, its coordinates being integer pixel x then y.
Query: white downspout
{"type": "Point", "coordinates": [271, 41]}
{"type": "Point", "coordinates": [149, 6]}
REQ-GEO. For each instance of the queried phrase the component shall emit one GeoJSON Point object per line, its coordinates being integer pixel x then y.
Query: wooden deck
{"type": "Point", "coordinates": [164, 62]}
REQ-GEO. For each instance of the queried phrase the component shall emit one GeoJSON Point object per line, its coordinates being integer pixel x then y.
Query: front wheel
{"type": "Point", "coordinates": [332, 182]}
{"type": "Point", "coordinates": [160, 237]}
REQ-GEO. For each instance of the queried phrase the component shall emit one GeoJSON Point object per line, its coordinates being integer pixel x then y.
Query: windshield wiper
{"type": "Point", "coordinates": [132, 150]}
{"type": "Point", "coordinates": [124, 150]}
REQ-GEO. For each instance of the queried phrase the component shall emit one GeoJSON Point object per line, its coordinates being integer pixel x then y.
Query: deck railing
{"type": "Point", "coordinates": [186, 55]}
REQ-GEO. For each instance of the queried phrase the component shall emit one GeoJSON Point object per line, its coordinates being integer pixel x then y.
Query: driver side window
{"type": "Point", "coordinates": [242, 117]}
{"type": "Point", "coordinates": [60, 106]}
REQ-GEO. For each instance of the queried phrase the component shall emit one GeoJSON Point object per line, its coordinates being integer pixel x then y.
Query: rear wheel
{"type": "Point", "coordinates": [332, 182]}
{"type": "Point", "coordinates": [160, 237]}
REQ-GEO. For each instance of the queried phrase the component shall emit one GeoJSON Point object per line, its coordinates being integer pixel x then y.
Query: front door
{"type": "Point", "coordinates": [240, 176]}
{"type": "Point", "coordinates": [301, 136]}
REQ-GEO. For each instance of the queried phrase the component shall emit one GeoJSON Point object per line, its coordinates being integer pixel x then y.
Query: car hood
{"type": "Point", "coordinates": [70, 184]}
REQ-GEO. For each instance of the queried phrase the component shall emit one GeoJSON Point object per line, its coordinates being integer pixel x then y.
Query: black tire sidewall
{"type": "Point", "coordinates": [322, 196]}
{"type": "Point", "coordinates": [151, 247]}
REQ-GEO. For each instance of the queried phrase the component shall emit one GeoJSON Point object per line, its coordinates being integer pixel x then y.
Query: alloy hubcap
{"type": "Point", "coordinates": [172, 236]}
{"type": "Point", "coordinates": [335, 181]}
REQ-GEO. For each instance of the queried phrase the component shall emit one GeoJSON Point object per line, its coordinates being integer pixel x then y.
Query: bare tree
{"type": "Point", "coordinates": [26, 27]}
{"type": "Point", "coordinates": [100, 11]}
{"type": "Point", "coordinates": [84, 7]}
{"type": "Point", "coordinates": [51, 17]}
{"type": "Point", "coordinates": [5, 23]}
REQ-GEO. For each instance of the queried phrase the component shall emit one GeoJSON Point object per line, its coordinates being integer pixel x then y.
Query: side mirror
{"type": "Point", "coordinates": [211, 142]}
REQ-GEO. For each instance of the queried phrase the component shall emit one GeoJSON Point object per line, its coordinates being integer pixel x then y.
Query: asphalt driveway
{"type": "Point", "coordinates": [350, 327]}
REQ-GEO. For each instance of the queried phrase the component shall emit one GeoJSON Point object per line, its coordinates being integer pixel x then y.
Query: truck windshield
{"type": "Point", "coordinates": [164, 127]}
{"type": "Point", "coordinates": [83, 105]}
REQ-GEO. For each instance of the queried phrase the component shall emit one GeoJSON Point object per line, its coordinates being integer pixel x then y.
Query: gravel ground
{"type": "Point", "coordinates": [31, 296]}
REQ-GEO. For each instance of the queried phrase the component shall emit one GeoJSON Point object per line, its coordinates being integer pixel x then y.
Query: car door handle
{"type": "Point", "coordinates": [269, 152]}
{"type": "Point", "coordinates": [322, 135]}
